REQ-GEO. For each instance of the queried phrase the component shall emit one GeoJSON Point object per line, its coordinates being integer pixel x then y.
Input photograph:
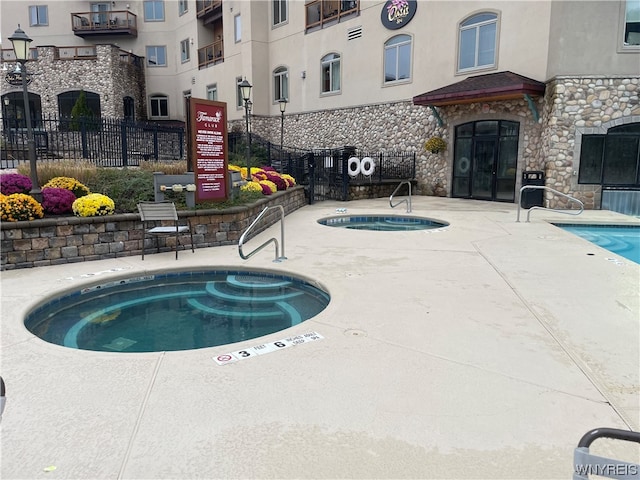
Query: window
{"type": "Point", "coordinates": [611, 159]}
{"type": "Point", "coordinates": [397, 59]}
{"type": "Point", "coordinates": [159, 106]}
{"type": "Point", "coordinates": [156, 56]}
{"type": "Point", "coordinates": [330, 73]}
{"type": "Point", "coordinates": [154, 11]}
{"type": "Point", "coordinates": [184, 50]}
{"type": "Point", "coordinates": [279, 11]}
{"type": "Point", "coordinates": [280, 84]}
{"type": "Point", "coordinates": [38, 15]}
{"type": "Point", "coordinates": [477, 42]}
{"type": "Point", "coordinates": [632, 23]}
{"type": "Point", "coordinates": [237, 28]}
{"type": "Point", "coordinates": [239, 99]}
{"type": "Point", "coordinates": [182, 7]}
{"type": "Point", "coordinates": [212, 92]}
{"type": "Point", "coordinates": [67, 100]}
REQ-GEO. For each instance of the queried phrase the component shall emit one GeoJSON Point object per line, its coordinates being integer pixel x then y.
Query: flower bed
{"type": "Point", "coordinates": [53, 241]}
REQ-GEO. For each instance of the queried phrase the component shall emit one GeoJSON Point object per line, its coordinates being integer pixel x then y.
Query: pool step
{"type": "Point", "coordinates": [221, 311]}
{"type": "Point", "coordinates": [236, 281]}
{"type": "Point", "coordinates": [213, 290]}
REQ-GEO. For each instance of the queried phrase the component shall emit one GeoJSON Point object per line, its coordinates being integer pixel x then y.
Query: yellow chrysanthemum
{"type": "Point", "coordinates": [93, 205]}
{"type": "Point", "coordinates": [19, 207]}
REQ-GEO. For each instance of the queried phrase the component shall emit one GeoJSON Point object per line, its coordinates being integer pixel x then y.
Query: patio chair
{"type": "Point", "coordinates": [162, 212]}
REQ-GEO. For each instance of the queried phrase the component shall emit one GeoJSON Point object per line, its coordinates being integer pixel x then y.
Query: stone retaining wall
{"type": "Point", "coordinates": [53, 241]}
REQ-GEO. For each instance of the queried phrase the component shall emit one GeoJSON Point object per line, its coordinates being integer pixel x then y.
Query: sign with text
{"type": "Point", "coordinates": [397, 13]}
{"type": "Point", "coordinates": [209, 148]}
{"type": "Point", "coordinates": [15, 78]}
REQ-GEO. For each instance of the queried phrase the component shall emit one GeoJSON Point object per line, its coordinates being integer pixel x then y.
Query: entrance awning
{"type": "Point", "coordinates": [482, 88]}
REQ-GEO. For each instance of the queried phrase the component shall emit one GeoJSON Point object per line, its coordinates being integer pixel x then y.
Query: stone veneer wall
{"type": "Point", "coordinates": [403, 126]}
{"type": "Point", "coordinates": [576, 106]}
{"type": "Point", "coordinates": [61, 240]}
{"type": "Point", "coordinates": [105, 74]}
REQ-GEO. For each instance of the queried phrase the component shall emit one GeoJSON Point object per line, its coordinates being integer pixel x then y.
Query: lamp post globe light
{"type": "Point", "coordinates": [283, 107]}
{"type": "Point", "coordinates": [245, 91]}
{"type": "Point", "coordinates": [20, 42]}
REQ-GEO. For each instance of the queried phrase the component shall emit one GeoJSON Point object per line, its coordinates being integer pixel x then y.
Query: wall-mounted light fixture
{"type": "Point", "coordinates": [303, 74]}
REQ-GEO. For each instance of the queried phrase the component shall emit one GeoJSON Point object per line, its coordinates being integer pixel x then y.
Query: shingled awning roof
{"type": "Point", "coordinates": [482, 88]}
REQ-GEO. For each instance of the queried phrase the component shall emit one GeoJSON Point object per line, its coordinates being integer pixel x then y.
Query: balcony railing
{"type": "Point", "coordinates": [211, 54]}
{"type": "Point", "coordinates": [320, 12]}
{"type": "Point", "coordinates": [8, 55]}
{"type": "Point", "coordinates": [75, 53]}
{"type": "Point", "coordinates": [113, 22]}
{"type": "Point", "coordinates": [204, 7]}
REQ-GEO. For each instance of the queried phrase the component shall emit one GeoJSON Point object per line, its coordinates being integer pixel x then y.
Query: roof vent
{"type": "Point", "coordinates": [354, 33]}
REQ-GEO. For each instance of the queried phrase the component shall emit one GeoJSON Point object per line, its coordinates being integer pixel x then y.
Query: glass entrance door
{"type": "Point", "coordinates": [485, 160]}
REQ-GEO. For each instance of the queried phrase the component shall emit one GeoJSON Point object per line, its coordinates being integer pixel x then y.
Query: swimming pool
{"type": "Point", "coordinates": [621, 239]}
{"type": "Point", "coordinates": [387, 223]}
{"type": "Point", "coordinates": [176, 311]}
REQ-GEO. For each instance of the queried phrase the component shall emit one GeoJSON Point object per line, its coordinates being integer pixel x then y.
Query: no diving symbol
{"type": "Point", "coordinates": [224, 358]}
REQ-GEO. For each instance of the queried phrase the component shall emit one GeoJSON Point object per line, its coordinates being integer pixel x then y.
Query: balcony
{"type": "Point", "coordinates": [321, 13]}
{"type": "Point", "coordinates": [210, 55]}
{"type": "Point", "coordinates": [111, 23]}
{"type": "Point", "coordinates": [208, 10]}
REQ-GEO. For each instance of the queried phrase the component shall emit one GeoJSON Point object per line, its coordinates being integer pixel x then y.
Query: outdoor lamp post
{"type": "Point", "coordinates": [283, 107]}
{"type": "Point", "coordinates": [20, 42]}
{"type": "Point", "coordinates": [245, 91]}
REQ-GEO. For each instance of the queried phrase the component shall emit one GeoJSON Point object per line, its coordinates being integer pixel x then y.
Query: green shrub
{"type": "Point", "coordinates": [126, 186]}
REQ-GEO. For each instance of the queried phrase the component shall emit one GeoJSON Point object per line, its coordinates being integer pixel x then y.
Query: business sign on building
{"type": "Point", "coordinates": [209, 148]}
{"type": "Point", "coordinates": [15, 78]}
{"type": "Point", "coordinates": [397, 13]}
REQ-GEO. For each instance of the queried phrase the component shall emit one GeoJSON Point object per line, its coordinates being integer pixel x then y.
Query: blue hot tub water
{"type": "Point", "coordinates": [388, 223]}
{"type": "Point", "coordinates": [623, 240]}
{"type": "Point", "coordinates": [176, 311]}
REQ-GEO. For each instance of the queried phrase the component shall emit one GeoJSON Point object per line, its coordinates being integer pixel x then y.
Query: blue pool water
{"type": "Point", "coordinates": [387, 223]}
{"type": "Point", "coordinates": [176, 311]}
{"type": "Point", "coordinates": [621, 239]}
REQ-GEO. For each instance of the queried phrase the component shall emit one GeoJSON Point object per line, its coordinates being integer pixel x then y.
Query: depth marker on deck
{"type": "Point", "coordinates": [264, 348]}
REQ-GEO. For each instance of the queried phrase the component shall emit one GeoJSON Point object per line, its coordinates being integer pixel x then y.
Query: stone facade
{"type": "Point", "coordinates": [53, 241]}
{"type": "Point", "coordinates": [101, 69]}
{"type": "Point", "coordinates": [580, 105]}
{"type": "Point", "coordinates": [403, 126]}
{"type": "Point", "coordinates": [572, 106]}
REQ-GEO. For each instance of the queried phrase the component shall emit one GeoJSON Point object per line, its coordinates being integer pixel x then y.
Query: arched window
{"type": "Point", "coordinates": [477, 42]}
{"type": "Point", "coordinates": [612, 159]}
{"type": "Point", "coordinates": [330, 66]}
{"type": "Point", "coordinates": [397, 59]}
{"type": "Point", "coordinates": [280, 84]}
{"type": "Point", "coordinates": [67, 100]}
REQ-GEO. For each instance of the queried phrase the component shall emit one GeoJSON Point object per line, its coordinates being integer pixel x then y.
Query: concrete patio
{"type": "Point", "coordinates": [482, 350]}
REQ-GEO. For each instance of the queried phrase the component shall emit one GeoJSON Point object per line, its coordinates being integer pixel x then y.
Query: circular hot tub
{"type": "Point", "coordinates": [178, 310]}
{"type": "Point", "coordinates": [387, 223]}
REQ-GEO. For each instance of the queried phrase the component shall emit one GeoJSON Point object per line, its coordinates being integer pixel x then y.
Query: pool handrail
{"type": "Point", "coordinates": [404, 200]}
{"type": "Point", "coordinates": [586, 464]}
{"type": "Point", "coordinates": [536, 207]}
{"type": "Point", "coordinates": [278, 258]}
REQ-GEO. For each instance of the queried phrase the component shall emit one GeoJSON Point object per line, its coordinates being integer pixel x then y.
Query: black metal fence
{"type": "Point", "coordinates": [103, 141]}
{"type": "Point", "coordinates": [326, 173]}
{"type": "Point", "coordinates": [117, 143]}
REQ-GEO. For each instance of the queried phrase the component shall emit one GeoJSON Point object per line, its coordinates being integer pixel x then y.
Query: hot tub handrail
{"type": "Point", "coordinates": [404, 200]}
{"type": "Point", "coordinates": [271, 240]}
{"type": "Point", "coordinates": [536, 207]}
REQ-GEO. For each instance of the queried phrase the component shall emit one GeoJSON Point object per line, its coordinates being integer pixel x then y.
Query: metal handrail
{"type": "Point", "coordinates": [543, 187]}
{"type": "Point", "coordinates": [273, 239]}
{"type": "Point", "coordinates": [404, 200]}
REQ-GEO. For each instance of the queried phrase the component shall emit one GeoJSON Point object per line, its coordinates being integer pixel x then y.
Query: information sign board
{"type": "Point", "coordinates": [209, 147]}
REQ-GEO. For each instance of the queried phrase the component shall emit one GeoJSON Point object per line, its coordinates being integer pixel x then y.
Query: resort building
{"type": "Point", "coordinates": [547, 86]}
